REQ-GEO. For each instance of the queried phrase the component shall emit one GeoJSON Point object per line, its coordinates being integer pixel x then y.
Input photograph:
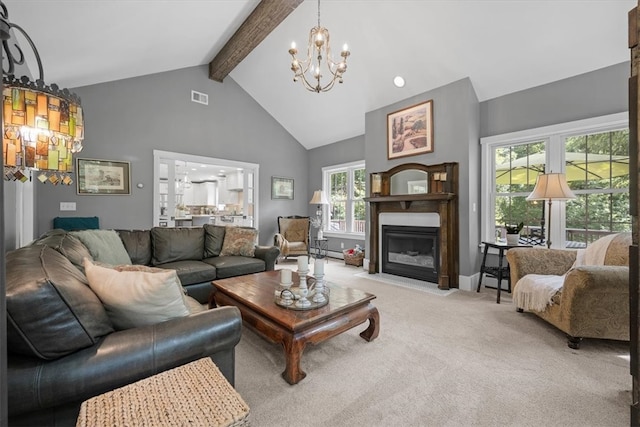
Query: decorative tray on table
{"type": "Point", "coordinates": [289, 297]}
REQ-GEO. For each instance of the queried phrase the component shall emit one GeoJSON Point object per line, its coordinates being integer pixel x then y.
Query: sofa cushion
{"type": "Point", "coordinates": [48, 299]}
{"type": "Point", "coordinates": [213, 239]}
{"type": "Point", "coordinates": [137, 297]}
{"type": "Point", "coordinates": [230, 266]}
{"type": "Point", "coordinates": [191, 272]}
{"type": "Point", "coordinates": [104, 246]}
{"type": "Point", "coordinates": [176, 244]}
{"type": "Point", "coordinates": [67, 244]}
{"type": "Point", "coordinates": [239, 241]}
{"type": "Point", "coordinates": [138, 245]}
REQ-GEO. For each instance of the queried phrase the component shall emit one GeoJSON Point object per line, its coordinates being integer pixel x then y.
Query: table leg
{"type": "Point", "coordinates": [293, 348]}
{"type": "Point", "coordinates": [499, 274]}
{"type": "Point", "coordinates": [484, 260]}
{"type": "Point", "coordinates": [372, 331]}
{"type": "Point", "coordinates": [294, 344]}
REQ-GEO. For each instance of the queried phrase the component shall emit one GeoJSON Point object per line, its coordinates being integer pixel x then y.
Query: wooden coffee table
{"type": "Point", "coordinates": [254, 295]}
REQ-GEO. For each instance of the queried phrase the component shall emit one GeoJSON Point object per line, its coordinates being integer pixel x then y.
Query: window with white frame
{"type": "Point", "coordinates": [345, 186]}
{"type": "Point", "coordinates": [594, 156]}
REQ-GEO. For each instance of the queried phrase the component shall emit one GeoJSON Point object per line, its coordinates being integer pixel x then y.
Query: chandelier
{"type": "Point", "coordinates": [43, 125]}
{"type": "Point", "coordinates": [310, 71]}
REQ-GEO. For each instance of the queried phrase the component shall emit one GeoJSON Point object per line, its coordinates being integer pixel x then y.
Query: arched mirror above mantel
{"type": "Point", "coordinates": [410, 181]}
{"type": "Point", "coordinates": [415, 179]}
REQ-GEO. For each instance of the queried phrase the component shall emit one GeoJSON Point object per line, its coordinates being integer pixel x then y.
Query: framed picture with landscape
{"type": "Point", "coordinates": [281, 188]}
{"type": "Point", "coordinates": [103, 177]}
{"type": "Point", "coordinates": [410, 131]}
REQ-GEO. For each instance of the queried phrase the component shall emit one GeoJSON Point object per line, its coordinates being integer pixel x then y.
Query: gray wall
{"type": "Point", "coordinates": [456, 118]}
{"type": "Point", "coordinates": [348, 150]}
{"type": "Point", "coordinates": [592, 94]}
{"type": "Point", "coordinates": [128, 119]}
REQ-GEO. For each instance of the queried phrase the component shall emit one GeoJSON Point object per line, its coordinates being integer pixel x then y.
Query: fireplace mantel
{"type": "Point", "coordinates": [441, 198]}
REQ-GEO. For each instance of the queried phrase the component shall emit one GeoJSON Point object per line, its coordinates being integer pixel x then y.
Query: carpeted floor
{"type": "Point", "coordinates": [459, 360]}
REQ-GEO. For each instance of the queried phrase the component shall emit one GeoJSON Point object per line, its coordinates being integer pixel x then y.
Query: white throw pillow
{"type": "Point", "coordinates": [137, 298]}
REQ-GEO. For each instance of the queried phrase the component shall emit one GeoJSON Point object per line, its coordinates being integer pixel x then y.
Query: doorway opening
{"type": "Point", "coordinates": [192, 190]}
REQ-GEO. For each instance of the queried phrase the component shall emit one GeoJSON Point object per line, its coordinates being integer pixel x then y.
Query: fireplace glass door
{"type": "Point", "coordinates": [411, 252]}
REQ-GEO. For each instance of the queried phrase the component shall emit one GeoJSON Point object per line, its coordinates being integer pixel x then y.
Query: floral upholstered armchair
{"type": "Point", "coordinates": [584, 293]}
{"type": "Point", "coordinates": [293, 235]}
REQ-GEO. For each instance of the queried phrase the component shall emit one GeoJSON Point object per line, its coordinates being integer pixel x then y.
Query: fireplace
{"type": "Point", "coordinates": [411, 252]}
{"type": "Point", "coordinates": [439, 204]}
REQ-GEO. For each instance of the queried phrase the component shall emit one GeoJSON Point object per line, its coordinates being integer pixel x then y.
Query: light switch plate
{"type": "Point", "coordinates": [67, 206]}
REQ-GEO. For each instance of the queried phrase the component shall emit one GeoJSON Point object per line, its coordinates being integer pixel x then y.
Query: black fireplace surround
{"type": "Point", "coordinates": [411, 251]}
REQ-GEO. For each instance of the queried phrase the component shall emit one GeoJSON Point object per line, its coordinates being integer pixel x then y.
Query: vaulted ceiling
{"type": "Point", "coordinates": [503, 46]}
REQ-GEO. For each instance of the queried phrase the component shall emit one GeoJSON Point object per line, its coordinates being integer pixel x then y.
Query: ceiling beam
{"type": "Point", "coordinates": [264, 19]}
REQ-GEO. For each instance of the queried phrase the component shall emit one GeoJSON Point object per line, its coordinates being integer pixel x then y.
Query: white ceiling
{"type": "Point", "coordinates": [503, 46]}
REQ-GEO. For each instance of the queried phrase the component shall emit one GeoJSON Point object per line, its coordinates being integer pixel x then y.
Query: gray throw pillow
{"type": "Point", "coordinates": [104, 245]}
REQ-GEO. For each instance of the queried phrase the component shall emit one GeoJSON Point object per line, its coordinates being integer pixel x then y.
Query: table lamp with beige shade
{"type": "Point", "coordinates": [551, 186]}
{"type": "Point", "coordinates": [319, 198]}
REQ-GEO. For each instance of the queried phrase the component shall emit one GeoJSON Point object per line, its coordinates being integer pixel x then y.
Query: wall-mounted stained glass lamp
{"type": "Point", "coordinates": [42, 124]}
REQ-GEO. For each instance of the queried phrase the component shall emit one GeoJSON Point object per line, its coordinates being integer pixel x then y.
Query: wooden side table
{"type": "Point", "coordinates": [499, 271]}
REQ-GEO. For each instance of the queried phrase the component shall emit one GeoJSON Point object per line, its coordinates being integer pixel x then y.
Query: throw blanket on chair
{"type": "Point", "coordinates": [534, 292]}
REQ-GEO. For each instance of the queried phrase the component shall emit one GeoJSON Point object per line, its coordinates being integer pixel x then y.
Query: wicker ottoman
{"type": "Point", "coordinates": [195, 394]}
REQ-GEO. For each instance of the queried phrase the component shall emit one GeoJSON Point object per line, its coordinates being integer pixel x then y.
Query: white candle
{"type": "Point", "coordinates": [285, 276]}
{"type": "Point", "coordinates": [318, 268]}
{"type": "Point", "coordinates": [303, 263]}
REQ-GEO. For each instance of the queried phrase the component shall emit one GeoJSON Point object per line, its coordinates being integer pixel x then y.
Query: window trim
{"type": "Point", "coordinates": [553, 136]}
{"type": "Point", "coordinates": [326, 171]}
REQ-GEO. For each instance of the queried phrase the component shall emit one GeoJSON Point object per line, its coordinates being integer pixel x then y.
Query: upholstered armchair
{"type": "Point", "coordinates": [293, 235]}
{"type": "Point", "coordinates": [591, 299]}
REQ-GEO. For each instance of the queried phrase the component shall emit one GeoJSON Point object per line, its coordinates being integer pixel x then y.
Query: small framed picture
{"type": "Point", "coordinates": [281, 188]}
{"type": "Point", "coordinates": [103, 177]}
{"type": "Point", "coordinates": [410, 131]}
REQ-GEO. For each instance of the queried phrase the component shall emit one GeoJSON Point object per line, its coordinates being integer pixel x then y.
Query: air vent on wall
{"type": "Point", "coordinates": [199, 97]}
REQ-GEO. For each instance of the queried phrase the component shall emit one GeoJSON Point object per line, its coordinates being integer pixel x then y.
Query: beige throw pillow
{"type": "Point", "coordinates": [137, 298]}
{"type": "Point", "coordinates": [239, 241]}
{"type": "Point", "coordinates": [192, 304]}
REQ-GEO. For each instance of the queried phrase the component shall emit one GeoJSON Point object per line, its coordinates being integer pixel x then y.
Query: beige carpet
{"type": "Point", "coordinates": [459, 360]}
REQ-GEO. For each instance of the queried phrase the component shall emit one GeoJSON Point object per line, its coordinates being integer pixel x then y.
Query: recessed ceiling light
{"type": "Point", "coordinates": [398, 81]}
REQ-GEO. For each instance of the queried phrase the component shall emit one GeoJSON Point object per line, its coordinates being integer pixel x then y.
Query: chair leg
{"type": "Point", "coordinates": [520, 310]}
{"type": "Point", "coordinates": [574, 342]}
